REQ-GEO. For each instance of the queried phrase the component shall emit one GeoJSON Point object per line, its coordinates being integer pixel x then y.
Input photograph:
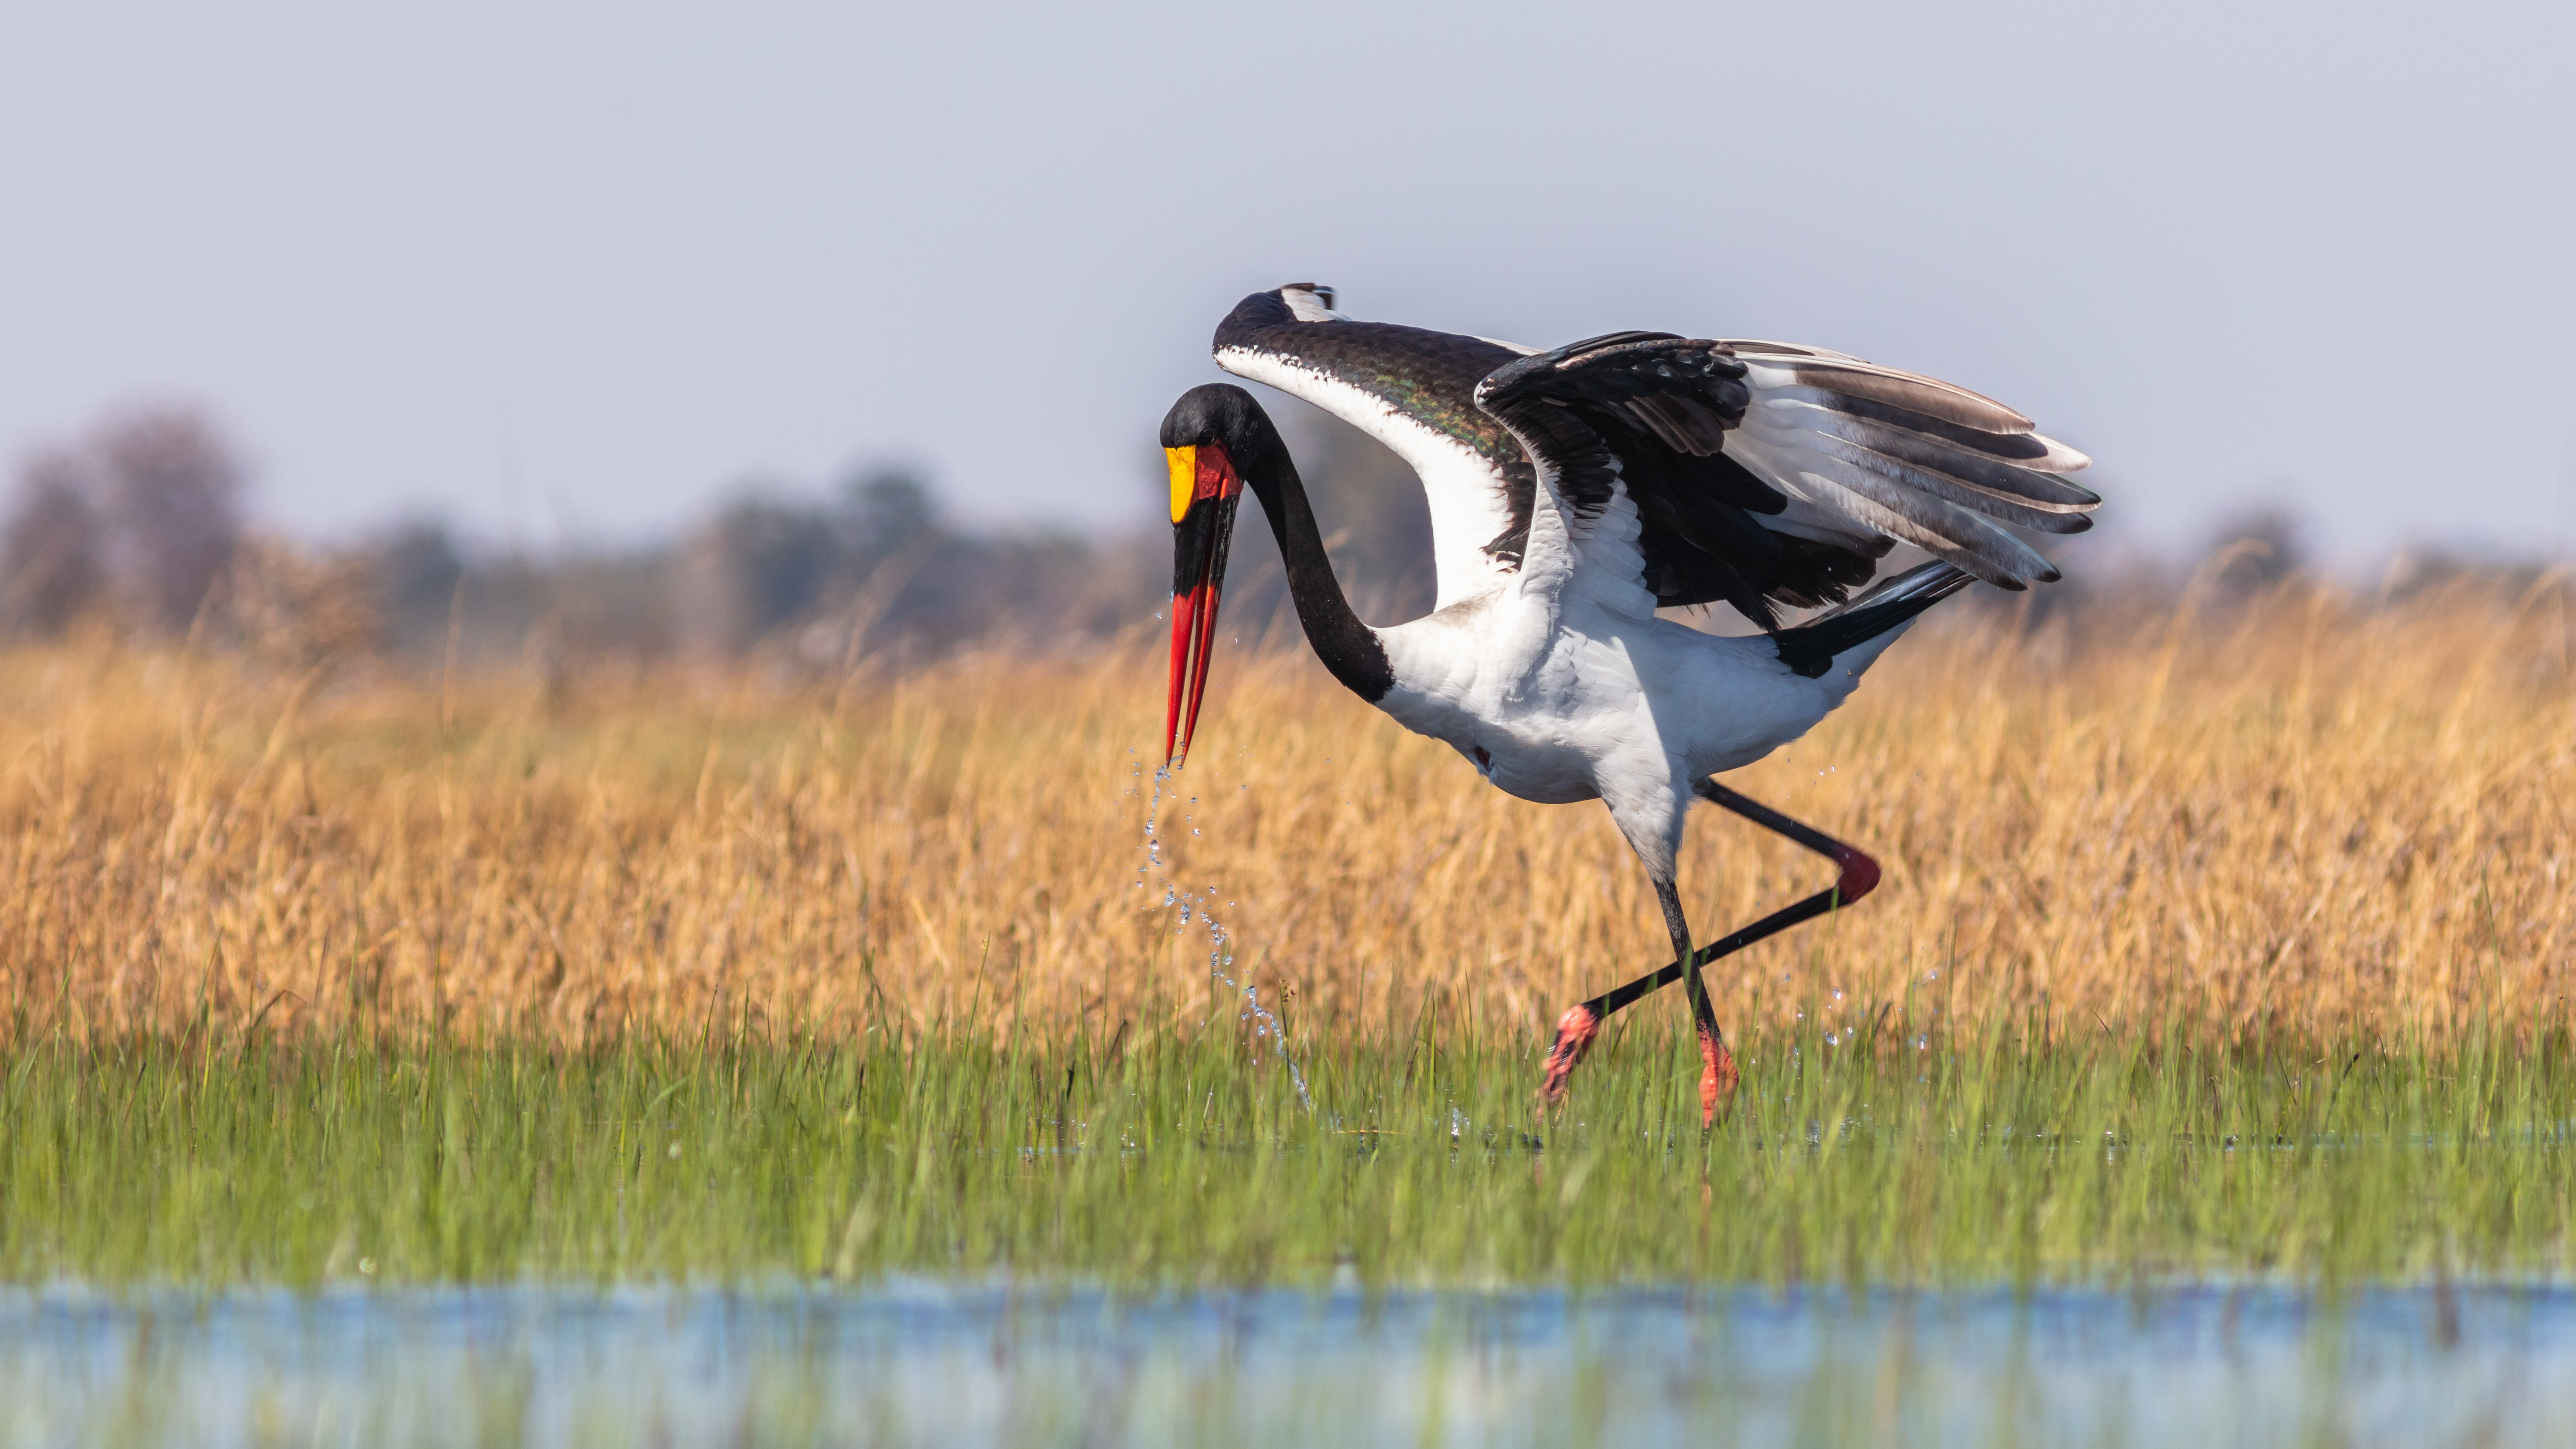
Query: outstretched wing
{"type": "Point", "coordinates": [1909, 457]}
{"type": "Point", "coordinates": [1763, 473]}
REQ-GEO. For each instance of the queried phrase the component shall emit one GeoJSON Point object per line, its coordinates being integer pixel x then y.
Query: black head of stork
{"type": "Point", "coordinates": [1218, 443]}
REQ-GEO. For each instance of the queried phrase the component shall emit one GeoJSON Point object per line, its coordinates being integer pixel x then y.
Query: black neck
{"type": "Point", "coordinates": [1349, 648]}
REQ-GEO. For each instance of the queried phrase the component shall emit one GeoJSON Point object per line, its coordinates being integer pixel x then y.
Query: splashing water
{"type": "Point", "coordinates": [1200, 907]}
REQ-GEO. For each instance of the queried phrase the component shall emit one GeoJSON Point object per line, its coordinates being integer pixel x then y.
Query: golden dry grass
{"type": "Point", "coordinates": [2309, 809]}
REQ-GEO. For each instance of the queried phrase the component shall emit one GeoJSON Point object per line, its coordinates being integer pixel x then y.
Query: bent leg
{"type": "Point", "coordinates": [1576, 1029]}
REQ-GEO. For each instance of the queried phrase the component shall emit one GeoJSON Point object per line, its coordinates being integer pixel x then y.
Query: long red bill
{"type": "Point", "coordinates": [1183, 607]}
{"type": "Point", "coordinates": [1202, 648]}
{"type": "Point", "coordinates": [1193, 635]}
{"type": "Point", "coordinates": [1204, 490]}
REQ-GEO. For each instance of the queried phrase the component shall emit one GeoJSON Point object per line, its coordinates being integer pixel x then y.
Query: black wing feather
{"type": "Point", "coordinates": [1662, 405]}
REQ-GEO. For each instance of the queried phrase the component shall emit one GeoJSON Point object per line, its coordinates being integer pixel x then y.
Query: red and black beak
{"type": "Point", "coordinates": [1205, 493]}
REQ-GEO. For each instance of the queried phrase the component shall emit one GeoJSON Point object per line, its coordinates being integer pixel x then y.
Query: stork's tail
{"type": "Point", "coordinates": [1810, 648]}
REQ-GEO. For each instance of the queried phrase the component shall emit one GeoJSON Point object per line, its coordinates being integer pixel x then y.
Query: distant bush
{"type": "Point", "coordinates": [139, 518]}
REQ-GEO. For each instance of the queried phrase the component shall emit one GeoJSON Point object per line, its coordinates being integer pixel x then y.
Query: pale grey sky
{"type": "Point", "coordinates": [573, 270]}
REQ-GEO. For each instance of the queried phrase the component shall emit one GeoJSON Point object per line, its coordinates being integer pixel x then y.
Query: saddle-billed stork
{"type": "Point", "coordinates": [1574, 492]}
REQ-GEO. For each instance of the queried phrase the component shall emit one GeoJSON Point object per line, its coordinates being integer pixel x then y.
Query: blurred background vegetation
{"type": "Point", "coordinates": [139, 528]}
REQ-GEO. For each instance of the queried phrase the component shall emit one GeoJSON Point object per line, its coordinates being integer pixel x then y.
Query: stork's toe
{"type": "Point", "coordinates": [1717, 1076]}
{"type": "Point", "coordinates": [1574, 1033]}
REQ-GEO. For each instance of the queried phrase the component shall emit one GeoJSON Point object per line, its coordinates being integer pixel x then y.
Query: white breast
{"type": "Point", "coordinates": [1563, 704]}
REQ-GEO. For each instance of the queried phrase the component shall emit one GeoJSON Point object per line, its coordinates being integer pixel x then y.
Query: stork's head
{"type": "Point", "coordinates": [1206, 436]}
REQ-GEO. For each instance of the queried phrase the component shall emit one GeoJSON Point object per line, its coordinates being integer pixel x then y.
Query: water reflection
{"type": "Point", "coordinates": [914, 1362]}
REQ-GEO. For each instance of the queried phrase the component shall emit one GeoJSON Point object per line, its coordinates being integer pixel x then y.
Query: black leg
{"type": "Point", "coordinates": [1670, 898]}
{"type": "Point", "coordinates": [1575, 1031]}
{"type": "Point", "coordinates": [1717, 1064]}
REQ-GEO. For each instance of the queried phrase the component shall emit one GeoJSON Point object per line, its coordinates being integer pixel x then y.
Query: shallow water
{"type": "Point", "coordinates": [917, 1362]}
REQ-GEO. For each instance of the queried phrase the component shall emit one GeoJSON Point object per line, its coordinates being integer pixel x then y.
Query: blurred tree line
{"type": "Point", "coordinates": [138, 527]}
{"type": "Point", "coordinates": [140, 519]}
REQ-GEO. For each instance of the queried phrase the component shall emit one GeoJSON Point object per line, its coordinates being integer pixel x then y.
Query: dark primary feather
{"type": "Point", "coordinates": [2026, 449]}
{"type": "Point", "coordinates": [1966, 464]}
{"type": "Point", "coordinates": [1931, 471]}
{"type": "Point", "coordinates": [1888, 387]}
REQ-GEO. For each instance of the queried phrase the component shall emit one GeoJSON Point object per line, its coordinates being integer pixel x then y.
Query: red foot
{"type": "Point", "coordinates": [1717, 1076]}
{"type": "Point", "coordinates": [1574, 1032]}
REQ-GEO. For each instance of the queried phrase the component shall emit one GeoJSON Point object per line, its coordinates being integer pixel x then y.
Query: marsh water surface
{"type": "Point", "coordinates": [918, 1361]}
